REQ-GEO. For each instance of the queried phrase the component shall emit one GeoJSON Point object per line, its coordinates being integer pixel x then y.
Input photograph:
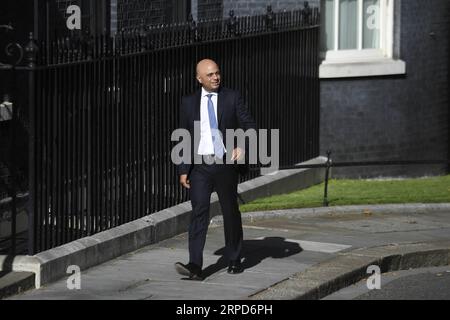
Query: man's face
{"type": "Point", "coordinates": [208, 74]}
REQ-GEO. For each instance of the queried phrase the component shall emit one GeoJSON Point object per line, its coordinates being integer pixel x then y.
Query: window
{"type": "Point", "coordinates": [357, 38]}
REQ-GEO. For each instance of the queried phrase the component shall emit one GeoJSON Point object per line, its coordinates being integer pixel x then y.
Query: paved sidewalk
{"type": "Point", "coordinates": [277, 245]}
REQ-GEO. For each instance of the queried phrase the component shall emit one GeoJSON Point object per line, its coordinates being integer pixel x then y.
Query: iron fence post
{"type": "Point", "coordinates": [14, 172]}
{"type": "Point", "coordinates": [31, 51]}
{"type": "Point", "coordinates": [327, 173]}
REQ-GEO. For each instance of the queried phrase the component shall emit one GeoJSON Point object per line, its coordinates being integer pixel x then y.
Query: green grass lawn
{"type": "Point", "coordinates": [354, 192]}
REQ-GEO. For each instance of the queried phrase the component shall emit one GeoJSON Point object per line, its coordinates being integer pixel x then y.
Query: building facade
{"type": "Point", "coordinates": [392, 104]}
{"type": "Point", "coordinates": [384, 81]}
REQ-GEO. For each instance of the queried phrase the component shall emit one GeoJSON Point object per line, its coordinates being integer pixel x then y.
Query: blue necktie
{"type": "Point", "coordinates": [216, 138]}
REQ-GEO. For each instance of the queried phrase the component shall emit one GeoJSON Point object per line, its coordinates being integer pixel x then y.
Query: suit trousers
{"type": "Point", "coordinates": [205, 179]}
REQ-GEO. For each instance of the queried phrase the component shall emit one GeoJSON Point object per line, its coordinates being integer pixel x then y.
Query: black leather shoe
{"type": "Point", "coordinates": [235, 267]}
{"type": "Point", "coordinates": [190, 270]}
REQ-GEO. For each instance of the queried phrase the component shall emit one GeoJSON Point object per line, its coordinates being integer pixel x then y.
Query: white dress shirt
{"type": "Point", "coordinates": [206, 146]}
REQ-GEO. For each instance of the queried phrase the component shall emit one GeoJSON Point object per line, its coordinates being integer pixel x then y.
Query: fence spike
{"type": "Point", "coordinates": [270, 18]}
{"type": "Point", "coordinates": [306, 13]}
{"type": "Point", "coordinates": [231, 24]}
{"type": "Point", "coordinates": [140, 38]}
{"type": "Point", "coordinates": [31, 51]}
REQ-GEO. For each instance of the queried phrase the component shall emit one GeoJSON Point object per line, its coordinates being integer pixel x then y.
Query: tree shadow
{"type": "Point", "coordinates": [254, 252]}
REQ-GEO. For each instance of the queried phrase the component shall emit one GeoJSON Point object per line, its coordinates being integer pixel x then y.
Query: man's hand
{"type": "Point", "coordinates": [237, 154]}
{"type": "Point", "coordinates": [184, 181]}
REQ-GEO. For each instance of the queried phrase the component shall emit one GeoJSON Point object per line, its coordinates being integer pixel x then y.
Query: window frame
{"type": "Point", "coordinates": [359, 62]}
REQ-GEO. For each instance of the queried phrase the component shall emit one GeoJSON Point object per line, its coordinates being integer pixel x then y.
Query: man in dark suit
{"type": "Point", "coordinates": [216, 109]}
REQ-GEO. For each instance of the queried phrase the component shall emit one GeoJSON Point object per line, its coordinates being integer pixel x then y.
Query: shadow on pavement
{"type": "Point", "coordinates": [254, 252]}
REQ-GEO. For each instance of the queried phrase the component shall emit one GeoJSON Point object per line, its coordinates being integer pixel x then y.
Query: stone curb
{"type": "Point", "coordinates": [51, 265]}
{"type": "Point", "coordinates": [419, 208]}
{"type": "Point", "coordinates": [350, 267]}
{"type": "Point", "coordinates": [15, 282]}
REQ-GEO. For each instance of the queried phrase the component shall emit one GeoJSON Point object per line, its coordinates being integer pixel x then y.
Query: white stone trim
{"type": "Point", "coordinates": [368, 68]}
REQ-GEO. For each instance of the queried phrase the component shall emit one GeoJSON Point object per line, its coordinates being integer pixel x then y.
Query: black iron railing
{"type": "Point", "coordinates": [99, 112]}
{"type": "Point", "coordinates": [13, 167]}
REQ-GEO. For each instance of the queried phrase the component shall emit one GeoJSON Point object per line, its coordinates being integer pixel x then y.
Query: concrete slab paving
{"type": "Point", "coordinates": [274, 249]}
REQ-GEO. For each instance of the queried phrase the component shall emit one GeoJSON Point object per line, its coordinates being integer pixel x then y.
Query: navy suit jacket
{"type": "Point", "coordinates": [231, 114]}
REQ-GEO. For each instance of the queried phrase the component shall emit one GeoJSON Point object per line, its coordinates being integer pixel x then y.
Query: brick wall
{"type": "Point", "coordinates": [124, 13]}
{"type": "Point", "coordinates": [405, 117]}
{"type": "Point", "coordinates": [209, 9]}
{"type": "Point", "coordinates": [63, 4]}
{"type": "Point", "coordinates": [130, 13]}
{"type": "Point", "coordinates": [256, 7]}
{"type": "Point", "coordinates": [57, 21]}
